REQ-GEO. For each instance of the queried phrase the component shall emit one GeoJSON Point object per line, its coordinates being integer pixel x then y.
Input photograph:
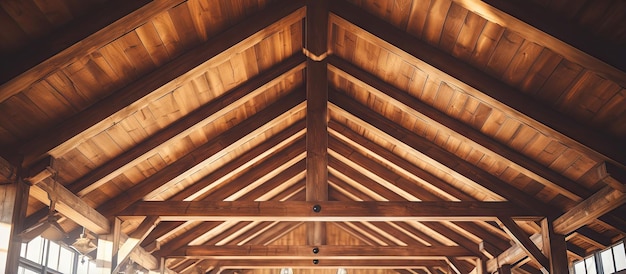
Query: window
{"type": "Point", "coordinates": [43, 256]}
{"type": "Point", "coordinates": [607, 261]}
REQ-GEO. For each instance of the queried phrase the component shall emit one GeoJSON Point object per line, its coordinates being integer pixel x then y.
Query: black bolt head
{"type": "Point", "coordinates": [316, 250]}
{"type": "Point", "coordinates": [317, 208]}
{"type": "Point", "coordinates": [316, 261]}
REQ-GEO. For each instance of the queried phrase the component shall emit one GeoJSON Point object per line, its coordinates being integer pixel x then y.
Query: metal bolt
{"type": "Point", "coordinates": [317, 208]}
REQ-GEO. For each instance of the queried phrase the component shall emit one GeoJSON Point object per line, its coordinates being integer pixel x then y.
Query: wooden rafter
{"type": "Point", "coordinates": [471, 79]}
{"type": "Point", "coordinates": [193, 160]}
{"type": "Point", "coordinates": [199, 117]}
{"type": "Point", "coordinates": [462, 131]}
{"type": "Point", "coordinates": [78, 39]}
{"type": "Point", "coordinates": [447, 160]}
{"type": "Point", "coordinates": [126, 100]}
{"type": "Point", "coordinates": [555, 32]}
{"type": "Point", "coordinates": [195, 190]}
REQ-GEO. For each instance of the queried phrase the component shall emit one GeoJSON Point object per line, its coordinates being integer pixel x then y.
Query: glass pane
{"type": "Point", "coordinates": [83, 266]}
{"type": "Point", "coordinates": [23, 250]}
{"type": "Point", "coordinates": [607, 262]}
{"type": "Point", "coordinates": [579, 267]}
{"type": "Point", "coordinates": [53, 256]}
{"type": "Point", "coordinates": [67, 260]}
{"type": "Point", "coordinates": [591, 265]}
{"type": "Point", "coordinates": [620, 257]}
{"type": "Point", "coordinates": [34, 250]}
{"type": "Point", "coordinates": [23, 270]}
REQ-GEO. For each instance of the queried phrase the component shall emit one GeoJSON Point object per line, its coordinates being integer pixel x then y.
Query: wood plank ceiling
{"type": "Point", "coordinates": [222, 103]}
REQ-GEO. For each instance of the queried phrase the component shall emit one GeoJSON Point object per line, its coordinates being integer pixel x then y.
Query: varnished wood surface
{"type": "Point", "coordinates": [430, 101]}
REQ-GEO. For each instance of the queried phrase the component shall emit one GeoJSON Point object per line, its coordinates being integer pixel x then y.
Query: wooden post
{"type": "Point", "coordinates": [107, 248]}
{"type": "Point", "coordinates": [554, 247]}
{"type": "Point", "coordinates": [481, 266]}
{"type": "Point", "coordinates": [13, 202]}
{"type": "Point", "coordinates": [317, 112]}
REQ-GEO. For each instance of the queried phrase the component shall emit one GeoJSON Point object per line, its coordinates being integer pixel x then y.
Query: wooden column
{"type": "Point", "coordinates": [317, 112]}
{"type": "Point", "coordinates": [13, 198]}
{"type": "Point", "coordinates": [554, 248]}
{"type": "Point", "coordinates": [108, 245]}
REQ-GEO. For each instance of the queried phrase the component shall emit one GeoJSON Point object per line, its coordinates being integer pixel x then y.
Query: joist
{"type": "Point", "coordinates": [328, 211]}
{"type": "Point", "coordinates": [344, 252]}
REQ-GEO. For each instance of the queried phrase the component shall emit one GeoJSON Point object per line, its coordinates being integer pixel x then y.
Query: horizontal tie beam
{"type": "Point", "coordinates": [328, 211]}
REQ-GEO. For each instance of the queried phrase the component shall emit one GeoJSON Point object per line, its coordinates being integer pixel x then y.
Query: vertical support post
{"type": "Point", "coordinates": [316, 31]}
{"type": "Point", "coordinates": [13, 204]}
{"type": "Point", "coordinates": [481, 265]}
{"type": "Point", "coordinates": [108, 246]}
{"type": "Point", "coordinates": [554, 247]}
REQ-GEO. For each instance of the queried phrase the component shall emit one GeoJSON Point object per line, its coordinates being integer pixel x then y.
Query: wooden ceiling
{"type": "Point", "coordinates": [430, 132]}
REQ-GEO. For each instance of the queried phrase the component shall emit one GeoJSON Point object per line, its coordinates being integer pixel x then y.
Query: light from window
{"type": "Point", "coordinates": [590, 263]}
{"type": "Point", "coordinates": [34, 250]}
{"type": "Point", "coordinates": [607, 261]}
{"type": "Point", "coordinates": [53, 256]}
{"type": "Point", "coordinates": [620, 256]}
{"type": "Point", "coordinates": [67, 260]}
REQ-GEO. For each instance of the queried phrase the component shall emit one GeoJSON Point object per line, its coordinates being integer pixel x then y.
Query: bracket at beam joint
{"type": "Point", "coordinates": [312, 56]}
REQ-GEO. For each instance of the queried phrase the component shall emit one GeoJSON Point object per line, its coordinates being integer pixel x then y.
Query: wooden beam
{"type": "Point", "coordinates": [555, 32]}
{"type": "Point", "coordinates": [477, 82]}
{"type": "Point", "coordinates": [488, 249]}
{"type": "Point", "coordinates": [343, 252]}
{"type": "Point", "coordinates": [343, 133]}
{"type": "Point", "coordinates": [248, 181]}
{"type": "Point", "coordinates": [522, 240]}
{"type": "Point", "coordinates": [584, 213]}
{"type": "Point", "coordinates": [70, 205]}
{"type": "Point", "coordinates": [185, 238]}
{"type": "Point", "coordinates": [457, 265]}
{"type": "Point", "coordinates": [555, 248]}
{"type": "Point", "coordinates": [8, 172]}
{"type": "Point", "coordinates": [79, 38]}
{"type": "Point", "coordinates": [330, 211]}
{"type": "Point", "coordinates": [317, 112]}
{"type": "Point", "coordinates": [461, 131]}
{"type": "Point", "coordinates": [194, 62]}
{"type": "Point", "coordinates": [183, 126]}
{"type": "Point", "coordinates": [134, 239]}
{"type": "Point", "coordinates": [600, 203]}
{"type": "Point", "coordinates": [330, 263]}
{"type": "Point", "coordinates": [438, 156]}
{"type": "Point", "coordinates": [13, 205]}
{"type": "Point", "coordinates": [194, 160]}
{"type": "Point", "coordinates": [246, 160]}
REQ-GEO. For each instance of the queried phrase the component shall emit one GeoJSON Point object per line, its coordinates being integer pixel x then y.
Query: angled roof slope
{"type": "Point", "coordinates": [432, 133]}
